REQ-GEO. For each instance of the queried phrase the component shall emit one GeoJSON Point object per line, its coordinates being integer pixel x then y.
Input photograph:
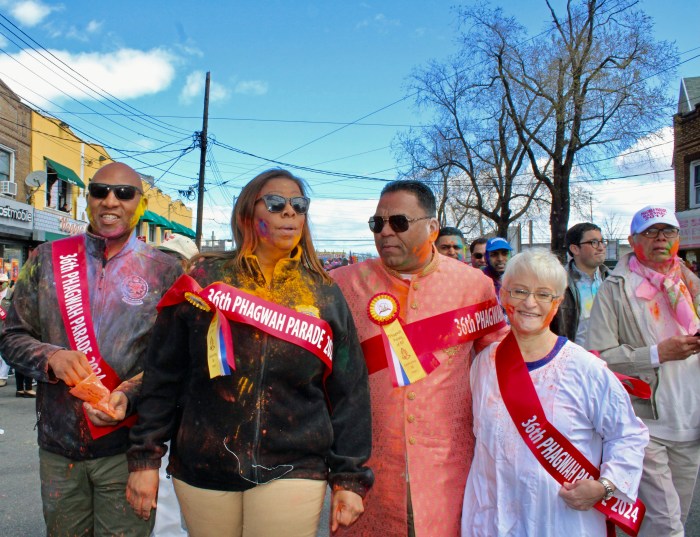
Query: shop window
{"type": "Point", "coordinates": [152, 233]}
{"type": "Point", "coordinates": [694, 182]}
{"type": "Point", "coordinates": [5, 165]}
{"type": "Point", "coordinates": [59, 193]}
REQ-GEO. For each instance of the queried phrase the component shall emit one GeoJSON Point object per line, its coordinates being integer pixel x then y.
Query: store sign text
{"type": "Point", "coordinates": [22, 215]}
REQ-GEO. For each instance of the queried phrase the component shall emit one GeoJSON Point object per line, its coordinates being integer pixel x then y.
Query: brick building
{"type": "Point", "coordinates": [686, 164]}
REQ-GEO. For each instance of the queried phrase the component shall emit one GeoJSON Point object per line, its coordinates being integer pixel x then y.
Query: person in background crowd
{"type": "Point", "coordinates": [509, 491]}
{"type": "Point", "coordinates": [422, 441]}
{"type": "Point", "coordinates": [116, 278]}
{"type": "Point", "coordinates": [261, 427]}
{"type": "Point", "coordinates": [23, 382]}
{"type": "Point", "coordinates": [169, 520]}
{"type": "Point", "coordinates": [181, 247]}
{"type": "Point", "coordinates": [477, 250]}
{"type": "Point", "coordinates": [450, 242]}
{"type": "Point", "coordinates": [644, 323]}
{"type": "Point", "coordinates": [586, 271]}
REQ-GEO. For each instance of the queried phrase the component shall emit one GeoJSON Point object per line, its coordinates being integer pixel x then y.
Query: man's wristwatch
{"type": "Point", "coordinates": [609, 488]}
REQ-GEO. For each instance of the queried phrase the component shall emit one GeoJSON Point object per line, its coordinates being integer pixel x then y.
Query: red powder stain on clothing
{"type": "Point", "coordinates": [654, 308]}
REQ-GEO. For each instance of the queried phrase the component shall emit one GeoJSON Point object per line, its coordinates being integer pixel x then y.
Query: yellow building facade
{"type": "Point", "coordinates": [69, 164]}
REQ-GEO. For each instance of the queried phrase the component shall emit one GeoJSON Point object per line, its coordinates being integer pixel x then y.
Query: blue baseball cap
{"type": "Point", "coordinates": [497, 243]}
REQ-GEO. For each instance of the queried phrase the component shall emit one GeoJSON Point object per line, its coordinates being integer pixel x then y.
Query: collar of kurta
{"type": "Point", "coordinates": [428, 269]}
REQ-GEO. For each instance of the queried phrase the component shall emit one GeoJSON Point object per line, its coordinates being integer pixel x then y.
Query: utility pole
{"type": "Point", "coordinates": [202, 164]}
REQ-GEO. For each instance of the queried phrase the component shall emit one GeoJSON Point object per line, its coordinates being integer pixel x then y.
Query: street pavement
{"type": "Point", "coordinates": [20, 500]}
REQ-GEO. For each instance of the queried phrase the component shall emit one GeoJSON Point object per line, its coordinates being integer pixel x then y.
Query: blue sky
{"type": "Point", "coordinates": [287, 79]}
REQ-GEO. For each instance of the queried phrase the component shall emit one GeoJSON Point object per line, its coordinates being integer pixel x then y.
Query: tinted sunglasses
{"type": "Point", "coordinates": [398, 222]}
{"type": "Point", "coordinates": [276, 204]}
{"type": "Point", "coordinates": [477, 255]}
{"type": "Point", "coordinates": [122, 192]}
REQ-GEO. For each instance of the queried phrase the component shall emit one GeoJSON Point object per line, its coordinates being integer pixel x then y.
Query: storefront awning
{"type": "Point", "coordinates": [182, 230]}
{"type": "Point", "coordinates": [65, 173]}
{"type": "Point", "coordinates": [156, 219]}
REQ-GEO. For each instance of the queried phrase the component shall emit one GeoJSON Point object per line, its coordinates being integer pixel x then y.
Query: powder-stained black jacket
{"type": "Point", "coordinates": [274, 416]}
{"type": "Point", "coordinates": [124, 292]}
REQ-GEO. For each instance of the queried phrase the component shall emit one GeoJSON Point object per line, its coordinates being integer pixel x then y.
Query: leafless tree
{"type": "Point", "coordinates": [517, 114]}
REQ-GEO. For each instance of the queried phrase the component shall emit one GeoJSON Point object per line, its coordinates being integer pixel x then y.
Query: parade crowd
{"type": "Point", "coordinates": [221, 394]}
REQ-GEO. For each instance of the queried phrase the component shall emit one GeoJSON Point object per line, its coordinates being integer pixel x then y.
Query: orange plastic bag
{"type": "Point", "coordinates": [91, 390]}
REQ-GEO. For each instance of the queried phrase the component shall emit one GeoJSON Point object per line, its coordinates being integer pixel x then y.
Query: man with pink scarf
{"type": "Point", "coordinates": [644, 323]}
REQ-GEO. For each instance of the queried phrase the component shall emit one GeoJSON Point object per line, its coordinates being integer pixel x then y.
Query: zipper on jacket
{"type": "Point", "coordinates": [258, 410]}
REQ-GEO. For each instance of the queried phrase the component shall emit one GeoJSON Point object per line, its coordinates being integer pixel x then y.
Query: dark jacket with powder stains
{"type": "Point", "coordinates": [274, 416]}
{"type": "Point", "coordinates": [124, 292]}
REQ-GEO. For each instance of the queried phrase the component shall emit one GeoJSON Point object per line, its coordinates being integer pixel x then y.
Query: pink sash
{"type": "Point", "coordinates": [552, 449]}
{"type": "Point", "coordinates": [301, 329]}
{"type": "Point", "coordinates": [438, 332]}
{"type": "Point", "coordinates": [70, 275]}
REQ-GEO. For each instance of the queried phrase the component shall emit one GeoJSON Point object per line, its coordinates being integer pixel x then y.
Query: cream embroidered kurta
{"type": "Point", "coordinates": [424, 429]}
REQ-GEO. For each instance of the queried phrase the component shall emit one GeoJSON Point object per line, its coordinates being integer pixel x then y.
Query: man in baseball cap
{"type": "Point", "coordinates": [497, 254]}
{"type": "Point", "coordinates": [180, 246]}
{"type": "Point", "coordinates": [644, 323]}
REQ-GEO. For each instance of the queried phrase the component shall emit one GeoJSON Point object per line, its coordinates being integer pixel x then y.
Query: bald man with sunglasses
{"type": "Point", "coordinates": [419, 316]}
{"type": "Point", "coordinates": [83, 307]}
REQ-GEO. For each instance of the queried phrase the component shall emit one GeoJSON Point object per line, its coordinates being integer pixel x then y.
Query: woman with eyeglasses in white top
{"type": "Point", "coordinates": [555, 430]}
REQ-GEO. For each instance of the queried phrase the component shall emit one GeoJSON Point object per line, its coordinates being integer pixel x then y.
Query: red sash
{"type": "Point", "coordinates": [70, 275]}
{"type": "Point", "coordinates": [553, 450]}
{"type": "Point", "coordinates": [301, 329]}
{"type": "Point", "coordinates": [439, 332]}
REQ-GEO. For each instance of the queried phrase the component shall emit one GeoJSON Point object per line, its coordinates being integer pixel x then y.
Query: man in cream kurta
{"type": "Point", "coordinates": [422, 442]}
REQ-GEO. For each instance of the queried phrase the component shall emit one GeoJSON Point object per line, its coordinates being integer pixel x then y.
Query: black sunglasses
{"type": "Point", "coordinates": [477, 255]}
{"type": "Point", "coordinates": [276, 204]}
{"type": "Point", "coordinates": [123, 192]}
{"type": "Point", "coordinates": [398, 222]}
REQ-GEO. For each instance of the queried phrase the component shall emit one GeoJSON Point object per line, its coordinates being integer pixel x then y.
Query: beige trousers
{"type": "Point", "coordinates": [670, 472]}
{"type": "Point", "coordinates": [285, 507]}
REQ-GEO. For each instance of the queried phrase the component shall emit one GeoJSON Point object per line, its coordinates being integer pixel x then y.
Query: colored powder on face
{"type": "Point", "coordinates": [639, 252]}
{"type": "Point", "coordinates": [263, 229]}
{"type": "Point", "coordinates": [138, 213]}
{"type": "Point", "coordinates": [550, 315]}
{"type": "Point", "coordinates": [674, 247]}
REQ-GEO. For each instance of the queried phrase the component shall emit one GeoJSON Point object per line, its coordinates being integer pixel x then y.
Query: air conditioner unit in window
{"type": "Point", "coordinates": [8, 187]}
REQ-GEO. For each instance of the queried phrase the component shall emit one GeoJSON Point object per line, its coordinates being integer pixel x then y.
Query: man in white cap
{"type": "Point", "coordinates": [644, 323]}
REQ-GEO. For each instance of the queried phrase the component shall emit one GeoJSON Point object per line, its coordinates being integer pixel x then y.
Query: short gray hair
{"type": "Point", "coordinates": [540, 264]}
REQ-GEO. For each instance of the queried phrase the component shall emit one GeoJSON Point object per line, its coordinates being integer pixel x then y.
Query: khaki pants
{"type": "Point", "coordinates": [87, 498]}
{"type": "Point", "coordinates": [670, 472]}
{"type": "Point", "coordinates": [285, 507]}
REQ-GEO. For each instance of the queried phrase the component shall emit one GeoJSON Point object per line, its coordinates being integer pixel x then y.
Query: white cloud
{"type": "Point", "coordinates": [251, 87]}
{"type": "Point", "coordinates": [31, 12]}
{"type": "Point", "coordinates": [93, 27]}
{"type": "Point", "coordinates": [194, 88]}
{"type": "Point", "coordinates": [125, 73]}
{"type": "Point", "coordinates": [379, 22]}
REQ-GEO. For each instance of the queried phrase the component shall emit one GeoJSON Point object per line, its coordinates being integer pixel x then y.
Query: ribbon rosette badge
{"type": "Point", "coordinates": [383, 309]}
{"type": "Point", "coordinates": [197, 301]}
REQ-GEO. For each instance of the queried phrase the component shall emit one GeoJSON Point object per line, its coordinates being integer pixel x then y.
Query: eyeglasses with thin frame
{"type": "Point", "coordinates": [543, 297]}
{"type": "Point", "coordinates": [668, 232]}
{"type": "Point", "coordinates": [398, 222]}
{"type": "Point", "coordinates": [595, 242]}
{"type": "Point", "coordinates": [122, 192]}
{"type": "Point", "coordinates": [276, 203]}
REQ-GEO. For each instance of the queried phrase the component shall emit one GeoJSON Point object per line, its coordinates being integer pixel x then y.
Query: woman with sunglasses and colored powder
{"type": "Point", "coordinates": [256, 372]}
{"type": "Point", "coordinates": [555, 431]}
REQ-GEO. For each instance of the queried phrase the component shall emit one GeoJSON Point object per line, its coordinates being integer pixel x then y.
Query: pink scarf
{"type": "Point", "coordinates": [673, 287]}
